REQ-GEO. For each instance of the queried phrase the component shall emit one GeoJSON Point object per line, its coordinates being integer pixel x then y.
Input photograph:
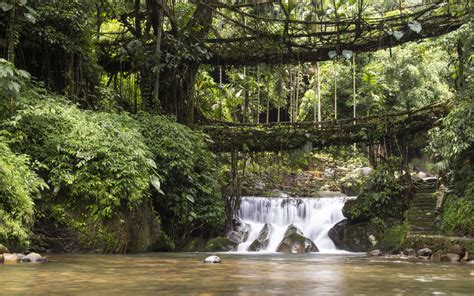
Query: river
{"type": "Point", "coordinates": [238, 274]}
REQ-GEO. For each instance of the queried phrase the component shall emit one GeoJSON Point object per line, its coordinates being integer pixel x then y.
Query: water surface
{"type": "Point", "coordinates": [238, 274]}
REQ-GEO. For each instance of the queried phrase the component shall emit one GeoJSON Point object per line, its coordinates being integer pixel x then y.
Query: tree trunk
{"type": "Point", "coordinates": [12, 34]}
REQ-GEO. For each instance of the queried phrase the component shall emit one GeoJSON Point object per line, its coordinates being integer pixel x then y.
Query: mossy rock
{"type": "Point", "coordinates": [439, 242]}
{"type": "Point", "coordinates": [220, 244]}
{"type": "Point", "coordinates": [393, 239]}
{"type": "Point", "coordinates": [296, 243]}
{"type": "Point", "coordinates": [195, 245]}
{"type": "Point", "coordinates": [355, 237]}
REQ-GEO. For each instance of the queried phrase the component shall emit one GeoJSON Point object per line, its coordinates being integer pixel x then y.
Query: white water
{"type": "Point", "coordinates": [314, 216]}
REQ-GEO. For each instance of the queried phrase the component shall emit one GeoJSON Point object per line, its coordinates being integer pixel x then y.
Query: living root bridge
{"type": "Point", "coordinates": [274, 137]}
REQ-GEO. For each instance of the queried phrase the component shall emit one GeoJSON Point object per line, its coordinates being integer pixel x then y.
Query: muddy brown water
{"type": "Point", "coordinates": [238, 274]}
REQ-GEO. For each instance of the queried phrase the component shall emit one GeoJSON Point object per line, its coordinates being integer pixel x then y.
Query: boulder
{"type": "Point", "coordinates": [12, 258]}
{"type": "Point", "coordinates": [456, 249]}
{"type": "Point", "coordinates": [297, 244]}
{"type": "Point", "coordinates": [354, 237]}
{"type": "Point", "coordinates": [292, 228]}
{"type": "Point", "coordinates": [212, 259]}
{"type": "Point", "coordinates": [424, 252]}
{"type": "Point", "coordinates": [466, 257]}
{"type": "Point", "coordinates": [375, 253]}
{"type": "Point", "coordinates": [243, 229]}
{"type": "Point", "coordinates": [450, 257]}
{"type": "Point", "coordinates": [409, 252]}
{"type": "Point", "coordinates": [34, 258]}
{"type": "Point", "coordinates": [436, 256]}
{"type": "Point", "coordinates": [3, 249]}
{"type": "Point", "coordinates": [349, 187]}
{"type": "Point", "coordinates": [263, 238]}
{"type": "Point", "coordinates": [235, 237]}
{"type": "Point", "coordinates": [220, 244]}
{"type": "Point", "coordinates": [1, 259]}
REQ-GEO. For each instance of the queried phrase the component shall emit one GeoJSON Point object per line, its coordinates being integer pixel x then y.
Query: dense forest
{"type": "Point", "coordinates": [102, 105]}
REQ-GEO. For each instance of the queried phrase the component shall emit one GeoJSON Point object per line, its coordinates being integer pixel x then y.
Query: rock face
{"type": "Point", "coordinates": [263, 238]}
{"type": "Point", "coordinates": [3, 249]}
{"type": "Point", "coordinates": [295, 242]}
{"type": "Point", "coordinates": [212, 259]}
{"type": "Point", "coordinates": [358, 237]}
{"type": "Point", "coordinates": [34, 258]}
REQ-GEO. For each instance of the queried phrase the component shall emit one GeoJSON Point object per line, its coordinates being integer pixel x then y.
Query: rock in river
{"type": "Point", "coordinates": [295, 242]}
{"type": "Point", "coordinates": [212, 259]}
{"type": "Point", "coordinates": [424, 252]}
{"type": "Point", "coordinates": [34, 258]}
{"type": "Point", "coordinates": [12, 258]}
{"type": "Point", "coordinates": [450, 257]}
{"type": "Point", "coordinates": [263, 238]}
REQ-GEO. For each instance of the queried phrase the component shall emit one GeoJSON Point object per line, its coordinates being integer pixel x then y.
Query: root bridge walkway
{"type": "Point", "coordinates": [273, 137]}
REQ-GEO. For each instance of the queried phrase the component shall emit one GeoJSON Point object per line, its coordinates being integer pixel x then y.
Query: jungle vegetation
{"type": "Point", "coordinates": [101, 103]}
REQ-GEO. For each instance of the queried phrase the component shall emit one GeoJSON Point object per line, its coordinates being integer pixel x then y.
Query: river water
{"type": "Point", "coordinates": [238, 274]}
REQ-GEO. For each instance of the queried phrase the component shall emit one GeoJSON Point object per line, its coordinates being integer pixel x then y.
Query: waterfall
{"type": "Point", "coordinates": [314, 216]}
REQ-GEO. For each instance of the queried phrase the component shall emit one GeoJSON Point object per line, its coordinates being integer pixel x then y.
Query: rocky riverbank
{"type": "Point", "coordinates": [7, 258]}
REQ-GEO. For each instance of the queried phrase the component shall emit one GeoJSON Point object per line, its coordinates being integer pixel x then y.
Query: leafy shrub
{"type": "Point", "coordinates": [458, 216]}
{"type": "Point", "coordinates": [18, 187]}
{"type": "Point", "coordinates": [97, 165]}
{"type": "Point", "coordinates": [95, 158]}
{"type": "Point", "coordinates": [382, 197]}
{"type": "Point", "coordinates": [190, 197]}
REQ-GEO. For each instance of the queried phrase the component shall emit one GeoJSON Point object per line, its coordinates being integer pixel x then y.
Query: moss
{"type": "Point", "coordinates": [220, 244]}
{"type": "Point", "coordinates": [393, 239]}
{"type": "Point", "coordinates": [195, 245]}
{"type": "Point", "coordinates": [438, 242]}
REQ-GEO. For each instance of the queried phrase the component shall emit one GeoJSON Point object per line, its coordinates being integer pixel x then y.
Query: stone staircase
{"type": "Point", "coordinates": [422, 212]}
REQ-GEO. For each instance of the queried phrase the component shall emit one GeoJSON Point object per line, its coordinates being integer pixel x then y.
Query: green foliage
{"type": "Point", "coordinates": [97, 160]}
{"type": "Point", "coordinates": [458, 216]}
{"type": "Point", "coordinates": [19, 185]}
{"type": "Point", "coordinates": [12, 81]}
{"type": "Point", "coordinates": [382, 197]}
{"type": "Point", "coordinates": [394, 238]}
{"type": "Point", "coordinates": [190, 196]}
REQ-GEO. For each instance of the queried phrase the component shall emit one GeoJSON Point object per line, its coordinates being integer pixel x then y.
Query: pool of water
{"type": "Point", "coordinates": [238, 274]}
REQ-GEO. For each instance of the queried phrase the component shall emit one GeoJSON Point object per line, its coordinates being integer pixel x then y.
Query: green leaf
{"type": "Point", "coordinates": [29, 17]}
{"type": "Point", "coordinates": [22, 2]}
{"type": "Point", "coordinates": [151, 163]}
{"type": "Point", "coordinates": [155, 181]}
{"type": "Point", "coordinates": [190, 198]}
{"type": "Point", "coordinates": [5, 6]}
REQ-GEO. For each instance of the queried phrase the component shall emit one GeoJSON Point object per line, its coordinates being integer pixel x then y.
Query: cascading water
{"type": "Point", "coordinates": [314, 216]}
